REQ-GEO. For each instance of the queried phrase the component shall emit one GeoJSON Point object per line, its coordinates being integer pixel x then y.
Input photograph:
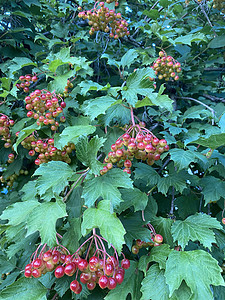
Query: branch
{"type": "Point", "coordinates": [205, 14]}
{"type": "Point", "coordinates": [213, 98]}
{"type": "Point", "coordinates": [205, 105]}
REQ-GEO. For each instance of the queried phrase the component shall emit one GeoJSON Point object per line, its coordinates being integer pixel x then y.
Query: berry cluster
{"type": "Point", "coordinates": [156, 240]}
{"type": "Point", "coordinates": [46, 149]}
{"type": "Point", "coordinates": [44, 107]}
{"type": "Point", "coordinates": [5, 124]}
{"type": "Point", "coordinates": [67, 87]}
{"type": "Point", "coordinates": [10, 179]}
{"type": "Point", "coordinates": [26, 81]}
{"type": "Point", "coordinates": [45, 262]}
{"type": "Point", "coordinates": [137, 142]}
{"type": "Point", "coordinates": [166, 67]}
{"type": "Point", "coordinates": [105, 20]}
{"type": "Point", "coordinates": [111, 1]}
{"type": "Point", "coordinates": [101, 268]}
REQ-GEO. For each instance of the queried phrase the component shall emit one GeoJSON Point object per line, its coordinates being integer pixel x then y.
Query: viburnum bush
{"type": "Point", "coordinates": [112, 150]}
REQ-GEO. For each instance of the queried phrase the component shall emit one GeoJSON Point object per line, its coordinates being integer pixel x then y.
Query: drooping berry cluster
{"type": "Point", "coordinates": [155, 240]}
{"type": "Point", "coordinates": [26, 81]}
{"type": "Point", "coordinates": [44, 107]}
{"type": "Point", "coordinates": [46, 150]}
{"type": "Point", "coordinates": [45, 262]}
{"type": "Point", "coordinates": [137, 142]}
{"type": "Point", "coordinates": [101, 268]}
{"type": "Point", "coordinates": [66, 90]}
{"type": "Point", "coordinates": [166, 67]}
{"type": "Point", "coordinates": [11, 179]}
{"type": "Point", "coordinates": [5, 124]}
{"type": "Point", "coordinates": [106, 20]}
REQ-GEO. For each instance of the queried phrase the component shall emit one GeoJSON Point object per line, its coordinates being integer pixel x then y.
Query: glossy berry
{"type": "Point", "coordinates": [119, 277]}
{"type": "Point", "coordinates": [125, 263]}
{"type": "Point", "coordinates": [59, 272]}
{"type": "Point", "coordinates": [70, 269]}
{"type": "Point", "coordinates": [158, 238]}
{"type": "Point", "coordinates": [103, 282]}
{"type": "Point", "coordinates": [28, 273]}
{"type": "Point", "coordinates": [74, 286]}
{"type": "Point", "coordinates": [223, 221]}
{"type": "Point", "coordinates": [112, 283]}
{"type": "Point", "coordinates": [82, 265]}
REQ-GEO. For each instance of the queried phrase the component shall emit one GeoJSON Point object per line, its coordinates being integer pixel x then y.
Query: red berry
{"type": "Point", "coordinates": [74, 285]}
{"type": "Point", "coordinates": [37, 263]}
{"type": "Point", "coordinates": [93, 261]}
{"type": "Point", "coordinates": [127, 163]}
{"type": "Point", "coordinates": [109, 269]}
{"type": "Point", "coordinates": [223, 221]}
{"type": "Point", "coordinates": [158, 238]}
{"type": "Point", "coordinates": [59, 272]}
{"type": "Point", "coordinates": [119, 277]}
{"type": "Point", "coordinates": [36, 273]}
{"type": "Point", "coordinates": [91, 285]}
{"type": "Point", "coordinates": [112, 283]}
{"type": "Point", "coordinates": [82, 265]}
{"type": "Point", "coordinates": [125, 263]}
{"type": "Point", "coordinates": [63, 104]}
{"type": "Point", "coordinates": [28, 273]}
{"type": "Point", "coordinates": [103, 282]}
{"type": "Point", "coordinates": [70, 269]}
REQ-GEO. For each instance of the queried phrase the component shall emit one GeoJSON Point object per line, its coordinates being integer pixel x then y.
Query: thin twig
{"type": "Point", "coordinates": [205, 105]}
{"type": "Point", "coordinates": [213, 98]}
{"type": "Point", "coordinates": [205, 14]}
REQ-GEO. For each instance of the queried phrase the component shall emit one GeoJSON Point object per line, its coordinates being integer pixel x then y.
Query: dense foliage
{"type": "Point", "coordinates": [112, 150]}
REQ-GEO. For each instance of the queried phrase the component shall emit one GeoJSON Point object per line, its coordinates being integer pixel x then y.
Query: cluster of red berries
{"type": "Point", "coordinates": [45, 262]}
{"type": "Point", "coordinates": [156, 240]}
{"type": "Point", "coordinates": [10, 179]}
{"type": "Point", "coordinates": [5, 124]}
{"type": "Point", "coordinates": [100, 268]}
{"type": "Point", "coordinates": [105, 20]}
{"type": "Point", "coordinates": [166, 67]}
{"type": "Point", "coordinates": [67, 87]}
{"type": "Point", "coordinates": [46, 149]}
{"type": "Point", "coordinates": [137, 143]}
{"type": "Point", "coordinates": [26, 81]}
{"type": "Point", "coordinates": [44, 107]}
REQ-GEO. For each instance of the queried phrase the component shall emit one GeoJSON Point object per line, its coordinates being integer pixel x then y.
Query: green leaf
{"type": "Point", "coordinates": [43, 219]}
{"type": "Point", "coordinates": [87, 152]}
{"type": "Point", "coordinates": [217, 42]}
{"type": "Point", "coordinates": [213, 188]}
{"type": "Point", "coordinates": [109, 225]}
{"type": "Point", "coordinates": [29, 190]}
{"type": "Point", "coordinates": [72, 236]}
{"type": "Point", "coordinates": [133, 197]}
{"type": "Point", "coordinates": [106, 186]}
{"type": "Point", "coordinates": [157, 254]}
{"type": "Point", "coordinates": [197, 268]}
{"type": "Point", "coordinates": [195, 228]}
{"type": "Point", "coordinates": [24, 289]}
{"type": "Point", "coordinates": [71, 134]}
{"type": "Point", "coordinates": [128, 58]}
{"type": "Point", "coordinates": [222, 123]}
{"type": "Point", "coordinates": [182, 158]}
{"type": "Point", "coordinates": [138, 84]}
{"type": "Point", "coordinates": [97, 106]}
{"type": "Point", "coordinates": [146, 173]}
{"type": "Point", "coordinates": [154, 278]}
{"type": "Point", "coordinates": [7, 265]}
{"type": "Point", "coordinates": [116, 114]}
{"type": "Point", "coordinates": [19, 212]}
{"type": "Point", "coordinates": [53, 177]}
{"type": "Point", "coordinates": [213, 142]}
{"type": "Point", "coordinates": [130, 285]}
{"type": "Point", "coordinates": [24, 133]}
{"type": "Point", "coordinates": [89, 85]}
{"type": "Point", "coordinates": [174, 179]}
{"type": "Point", "coordinates": [163, 227]}
{"type": "Point", "coordinates": [189, 38]}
